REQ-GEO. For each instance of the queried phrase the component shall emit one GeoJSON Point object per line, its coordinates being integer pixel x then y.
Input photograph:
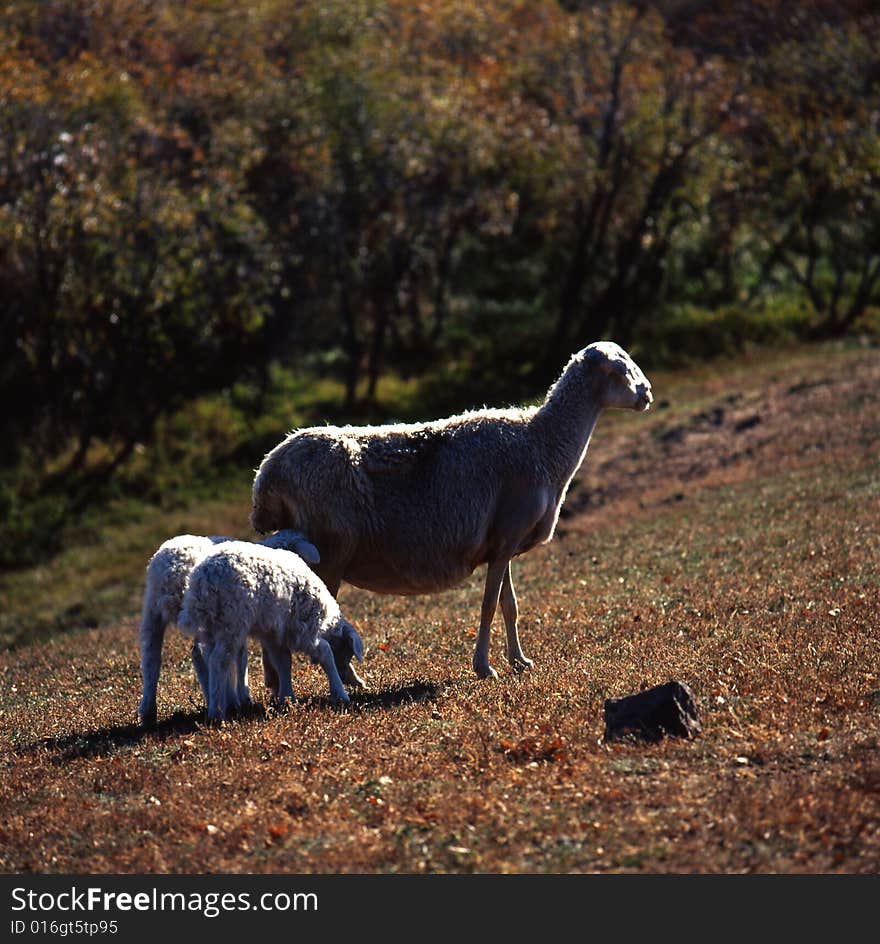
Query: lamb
{"type": "Point", "coordinates": [242, 589]}
{"type": "Point", "coordinates": [416, 508]}
{"type": "Point", "coordinates": [167, 574]}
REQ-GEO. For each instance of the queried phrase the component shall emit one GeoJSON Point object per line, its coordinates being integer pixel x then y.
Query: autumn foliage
{"type": "Point", "coordinates": [463, 193]}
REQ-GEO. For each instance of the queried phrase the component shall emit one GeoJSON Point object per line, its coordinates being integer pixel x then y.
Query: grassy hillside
{"type": "Point", "coordinates": [729, 538]}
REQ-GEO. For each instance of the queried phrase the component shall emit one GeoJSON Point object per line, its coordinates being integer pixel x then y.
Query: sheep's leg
{"type": "Point", "coordinates": [279, 659]}
{"type": "Point", "coordinates": [516, 658]}
{"type": "Point", "coordinates": [270, 674]}
{"type": "Point", "coordinates": [231, 697]}
{"type": "Point", "coordinates": [494, 578]}
{"type": "Point", "coordinates": [350, 677]}
{"type": "Point", "coordinates": [242, 692]}
{"type": "Point", "coordinates": [150, 638]}
{"type": "Point", "coordinates": [333, 581]}
{"type": "Point", "coordinates": [323, 656]}
{"type": "Point", "coordinates": [201, 668]}
{"type": "Point", "coordinates": [218, 657]}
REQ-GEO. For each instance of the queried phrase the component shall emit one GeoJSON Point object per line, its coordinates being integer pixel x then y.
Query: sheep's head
{"type": "Point", "coordinates": [345, 642]}
{"type": "Point", "coordinates": [625, 385]}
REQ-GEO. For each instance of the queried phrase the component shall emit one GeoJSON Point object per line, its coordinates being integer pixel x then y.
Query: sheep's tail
{"type": "Point", "coordinates": [292, 484]}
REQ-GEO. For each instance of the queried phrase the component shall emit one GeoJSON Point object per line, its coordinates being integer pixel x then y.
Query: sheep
{"type": "Point", "coordinates": [416, 508]}
{"type": "Point", "coordinates": [167, 573]}
{"type": "Point", "coordinates": [242, 589]}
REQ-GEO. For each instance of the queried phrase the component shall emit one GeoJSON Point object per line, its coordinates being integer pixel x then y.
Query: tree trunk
{"type": "Point", "coordinates": [353, 348]}
{"type": "Point", "coordinates": [381, 319]}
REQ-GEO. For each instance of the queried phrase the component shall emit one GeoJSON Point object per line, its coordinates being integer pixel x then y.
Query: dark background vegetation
{"type": "Point", "coordinates": [218, 220]}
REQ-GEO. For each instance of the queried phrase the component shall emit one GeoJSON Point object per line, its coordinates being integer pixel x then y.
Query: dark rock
{"type": "Point", "coordinates": [665, 710]}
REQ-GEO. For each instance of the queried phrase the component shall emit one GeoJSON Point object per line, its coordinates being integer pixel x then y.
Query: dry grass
{"type": "Point", "coordinates": [728, 539]}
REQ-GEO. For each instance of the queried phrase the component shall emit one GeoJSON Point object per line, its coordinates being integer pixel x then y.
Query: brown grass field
{"type": "Point", "coordinates": [728, 538]}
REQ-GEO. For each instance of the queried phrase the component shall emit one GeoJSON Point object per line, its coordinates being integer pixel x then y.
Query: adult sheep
{"type": "Point", "coordinates": [416, 508]}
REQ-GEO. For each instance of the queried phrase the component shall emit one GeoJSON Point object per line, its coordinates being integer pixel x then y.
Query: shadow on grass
{"type": "Point", "coordinates": [105, 740]}
{"type": "Point", "coordinates": [417, 690]}
{"type": "Point", "coordinates": [409, 693]}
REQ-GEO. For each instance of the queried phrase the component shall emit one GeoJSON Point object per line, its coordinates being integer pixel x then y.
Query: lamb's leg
{"type": "Point", "coordinates": [232, 697]}
{"type": "Point", "coordinates": [242, 692]}
{"type": "Point", "coordinates": [494, 577]}
{"type": "Point", "coordinates": [350, 677]}
{"type": "Point", "coordinates": [333, 581]}
{"type": "Point", "coordinates": [279, 659]}
{"type": "Point", "coordinates": [323, 656]}
{"type": "Point", "coordinates": [201, 668]}
{"type": "Point", "coordinates": [509, 610]}
{"type": "Point", "coordinates": [150, 638]}
{"type": "Point", "coordinates": [270, 674]}
{"type": "Point", "coordinates": [218, 655]}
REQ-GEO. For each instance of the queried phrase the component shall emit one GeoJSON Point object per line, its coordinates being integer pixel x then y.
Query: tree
{"type": "Point", "coordinates": [815, 163]}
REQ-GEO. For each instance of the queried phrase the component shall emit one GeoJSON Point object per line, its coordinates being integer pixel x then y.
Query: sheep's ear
{"type": "Point", "coordinates": [307, 551]}
{"type": "Point", "coordinates": [357, 644]}
{"type": "Point", "coordinates": [613, 366]}
{"type": "Point", "coordinates": [606, 356]}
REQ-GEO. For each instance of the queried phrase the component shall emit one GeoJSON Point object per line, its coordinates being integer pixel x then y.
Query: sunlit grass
{"type": "Point", "coordinates": [754, 581]}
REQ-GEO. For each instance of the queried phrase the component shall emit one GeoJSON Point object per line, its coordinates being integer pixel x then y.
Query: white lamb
{"type": "Point", "coordinates": [167, 574]}
{"type": "Point", "coordinates": [241, 589]}
{"type": "Point", "coordinates": [416, 508]}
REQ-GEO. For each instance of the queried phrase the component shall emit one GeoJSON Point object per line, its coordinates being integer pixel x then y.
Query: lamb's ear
{"type": "Point", "coordinates": [307, 551]}
{"type": "Point", "coordinates": [357, 644]}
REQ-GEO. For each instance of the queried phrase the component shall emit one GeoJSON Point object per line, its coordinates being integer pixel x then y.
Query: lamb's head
{"type": "Point", "coordinates": [345, 641]}
{"type": "Point", "coordinates": [624, 385]}
{"type": "Point", "coordinates": [296, 541]}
